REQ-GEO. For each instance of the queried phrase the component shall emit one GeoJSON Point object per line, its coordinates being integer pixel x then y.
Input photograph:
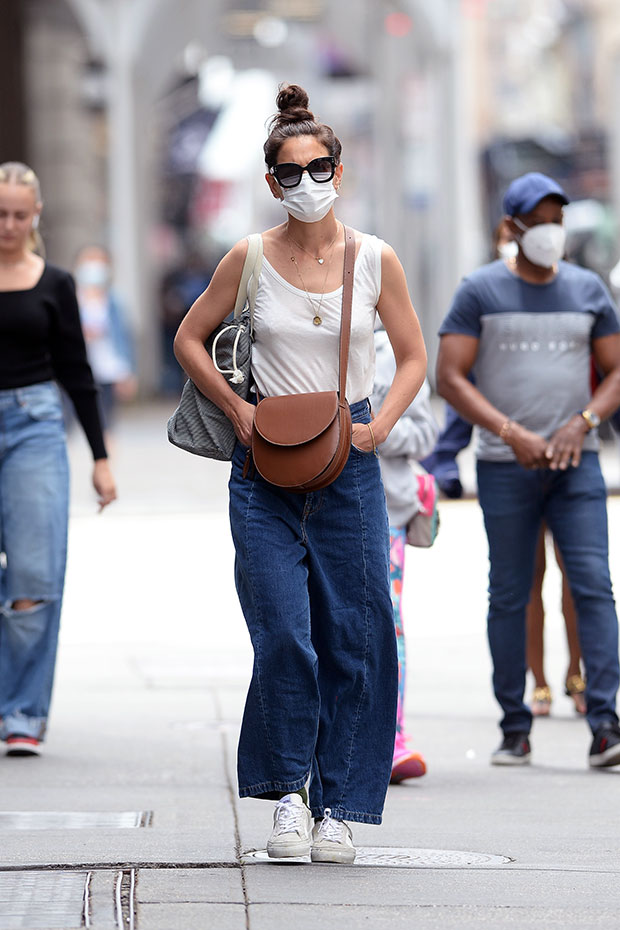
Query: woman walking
{"type": "Point", "coordinates": [312, 569]}
{"type": "Point", "coordinates": [109, 346]}
{"type": "Point", "coordinates": [40, 342]}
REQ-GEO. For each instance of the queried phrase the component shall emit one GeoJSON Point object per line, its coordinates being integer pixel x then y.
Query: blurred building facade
{"type": "Point", "coordinates": [546, 79]}
{"type": "Point", "coordinates": [127, 110]}
{"type": "Point", "coordinates": [57, 129]}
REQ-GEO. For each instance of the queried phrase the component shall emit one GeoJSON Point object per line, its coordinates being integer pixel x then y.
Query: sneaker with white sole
{"type": "Point", "coordinates": [513, 750]}
{"type": "Point", "coordinates": [19, 745]}
{"type": "Point", "coordinates": [605, 748]}
{"type": "Point", "coordinates": [332, 840]}
{"type": "Point", "coordinates": [292, 823]}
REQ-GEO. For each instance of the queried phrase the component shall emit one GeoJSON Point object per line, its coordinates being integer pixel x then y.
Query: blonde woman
{"type": "Point", "coordinates": [41, 342]}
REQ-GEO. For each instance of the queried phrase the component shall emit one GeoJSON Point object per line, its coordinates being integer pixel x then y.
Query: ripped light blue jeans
{"type": "Point", "coordinates": [34, 504]}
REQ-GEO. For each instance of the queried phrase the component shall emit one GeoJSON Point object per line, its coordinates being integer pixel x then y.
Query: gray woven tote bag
{"type": "Point", "coordinates": [198, 425]}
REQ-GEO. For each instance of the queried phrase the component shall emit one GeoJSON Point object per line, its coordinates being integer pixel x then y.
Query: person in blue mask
{"type": "Point", "coordinates": [109, 344]}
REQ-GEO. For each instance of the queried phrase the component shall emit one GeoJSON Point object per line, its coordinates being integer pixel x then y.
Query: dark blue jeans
{"type": "Point", "coordinates": [514, 501]}
{"type": "Point", "coordinates": [312, 574]}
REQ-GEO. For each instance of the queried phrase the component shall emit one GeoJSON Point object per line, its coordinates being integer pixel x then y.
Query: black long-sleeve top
{"type": "Point", "coordinates": [41, 340]}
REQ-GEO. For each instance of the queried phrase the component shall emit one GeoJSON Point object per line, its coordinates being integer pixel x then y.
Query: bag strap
{"type": "Point", "coordinates": [345, 316]}
{"type": "Point", "coordinates": [251, 269]}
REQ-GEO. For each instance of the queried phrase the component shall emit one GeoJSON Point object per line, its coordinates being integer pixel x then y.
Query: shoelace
{"type": "Point", "coordinates": [289, 817]}
{"type": "Point", "coordinates": [330, 829]}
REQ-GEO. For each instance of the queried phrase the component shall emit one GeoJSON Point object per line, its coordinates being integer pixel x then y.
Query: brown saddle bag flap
{"type": "Point", "coordinates": [292, 419]}
{"type": "Point", "coordinates": [298, 438]}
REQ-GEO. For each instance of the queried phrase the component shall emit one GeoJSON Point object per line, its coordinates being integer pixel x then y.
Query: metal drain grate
{"type": "Point", "coordinates": [400, 857]}
{"type": "Point", "coordinates": [110, 901]}
{"type": "Point", "coordinates": [54, 900]}
{"type": "Point", "coordinates": [66, 900]}
{"type": "Point", "coordinates": [73, 820]}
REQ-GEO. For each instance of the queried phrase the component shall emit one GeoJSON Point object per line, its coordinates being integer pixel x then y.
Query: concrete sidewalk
{"type": "Point", "coordinates": [131, 817]}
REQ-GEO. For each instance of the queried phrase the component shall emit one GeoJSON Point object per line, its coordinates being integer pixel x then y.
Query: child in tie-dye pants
{"type": "Point", "coordinates": [413, 437]}
{"type": "Point", "coordinates": [406, 764]}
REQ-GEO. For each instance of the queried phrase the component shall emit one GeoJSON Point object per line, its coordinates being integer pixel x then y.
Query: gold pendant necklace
{"type": "Point", "coordinates": [317, 319]}
{"type": "Point", "coordinates": [315, 257]}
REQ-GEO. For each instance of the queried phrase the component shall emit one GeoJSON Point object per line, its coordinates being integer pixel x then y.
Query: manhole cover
{"type": "Point", "coordinates": [54, 900]}
{"type": "Point", "coordinates": [399, 857]}
{"type": "Point", "coordinates": [73, 820]}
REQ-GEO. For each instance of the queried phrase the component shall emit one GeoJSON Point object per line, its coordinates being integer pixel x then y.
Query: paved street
{"type": "Point", "coordinates": [131, 818]}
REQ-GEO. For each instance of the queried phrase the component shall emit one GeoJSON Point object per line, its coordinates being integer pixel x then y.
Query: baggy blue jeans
{"type": "Point", "coordinates": [34, 503]}
{"type": "Point", "coordinates": [573, 503]}
{"type": "Point", "coordinates": [312, 575]}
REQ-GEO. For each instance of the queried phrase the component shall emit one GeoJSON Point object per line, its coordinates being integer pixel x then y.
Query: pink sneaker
{"type": "Point", "coordinates": [405, 764]}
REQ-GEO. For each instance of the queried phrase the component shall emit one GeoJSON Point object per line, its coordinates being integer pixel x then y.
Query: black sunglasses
{"type": "Point", "coordinates": [320, 169]}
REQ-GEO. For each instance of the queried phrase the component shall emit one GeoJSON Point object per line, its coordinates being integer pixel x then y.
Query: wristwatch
{"type": "Point", "coordinates": [592, 419]}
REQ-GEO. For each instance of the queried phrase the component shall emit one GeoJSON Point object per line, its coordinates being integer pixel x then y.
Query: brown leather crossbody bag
{"type": "Point", "coordinates": [301, 442]}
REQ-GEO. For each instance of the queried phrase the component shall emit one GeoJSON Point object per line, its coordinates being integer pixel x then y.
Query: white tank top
{"type": "Point", "coordinates": [291, 355]}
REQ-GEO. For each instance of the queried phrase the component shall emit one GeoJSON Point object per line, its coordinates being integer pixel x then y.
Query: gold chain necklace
{"type": "Point", "coordinates": [315, 257]}
{"type": "Point", "coordinates": [317, 320]}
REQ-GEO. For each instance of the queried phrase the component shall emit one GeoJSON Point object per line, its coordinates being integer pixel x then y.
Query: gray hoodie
{"type": "Point", "coordinates": [413, 437]}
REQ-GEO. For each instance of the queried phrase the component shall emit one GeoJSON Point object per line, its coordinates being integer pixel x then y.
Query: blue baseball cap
{"type": "Point", "coordinates": [528, 190]}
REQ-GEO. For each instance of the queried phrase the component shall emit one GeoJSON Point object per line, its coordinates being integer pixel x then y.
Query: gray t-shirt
{"type": "Point", "coordinates": [534, 355]}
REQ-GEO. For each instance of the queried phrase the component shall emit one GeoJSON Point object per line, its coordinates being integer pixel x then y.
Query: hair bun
{"type": "Point", "coordinates": [292, 102]}
{"type": "Point", "coordinates": [294, 119]}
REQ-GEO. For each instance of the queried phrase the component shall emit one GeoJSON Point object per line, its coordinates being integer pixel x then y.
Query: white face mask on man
{"type": "Point", "coordinates": [543, 245]}
{"type": "Point", "coordinates": [310, 200]}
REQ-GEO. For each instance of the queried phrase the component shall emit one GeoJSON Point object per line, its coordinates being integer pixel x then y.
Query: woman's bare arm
{"type": "Point", "coordinates": [403, 329]}
{"type": "Point", "coordinates": [205, 314]}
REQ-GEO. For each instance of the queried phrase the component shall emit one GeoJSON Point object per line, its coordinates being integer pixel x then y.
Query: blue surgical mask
{"type": "Point", "coordinates": [92, 274]}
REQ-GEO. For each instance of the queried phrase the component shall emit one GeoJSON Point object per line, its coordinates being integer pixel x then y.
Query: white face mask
{"type": "Point", "coordinates": [508, 250]}
{"type": "Point", "coordinates": [310, 201]}
{"type": "Point", "coordinates": [543, 245]}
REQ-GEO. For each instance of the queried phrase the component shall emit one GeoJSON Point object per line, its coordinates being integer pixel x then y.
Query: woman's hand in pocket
{"type": "Point", "coordinates": [361, 438]}
{"type": "Point", "coordinates": [242, 418]}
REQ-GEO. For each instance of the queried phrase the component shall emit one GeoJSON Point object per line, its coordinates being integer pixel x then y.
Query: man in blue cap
{"type": "Point", "coordinates": [527, 327]}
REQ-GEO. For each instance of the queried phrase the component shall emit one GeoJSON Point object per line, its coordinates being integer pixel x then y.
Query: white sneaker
{"type": "Point", "coordinates": [332, 840]}
{"type": "Point", "coordinates": [292, 822]}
